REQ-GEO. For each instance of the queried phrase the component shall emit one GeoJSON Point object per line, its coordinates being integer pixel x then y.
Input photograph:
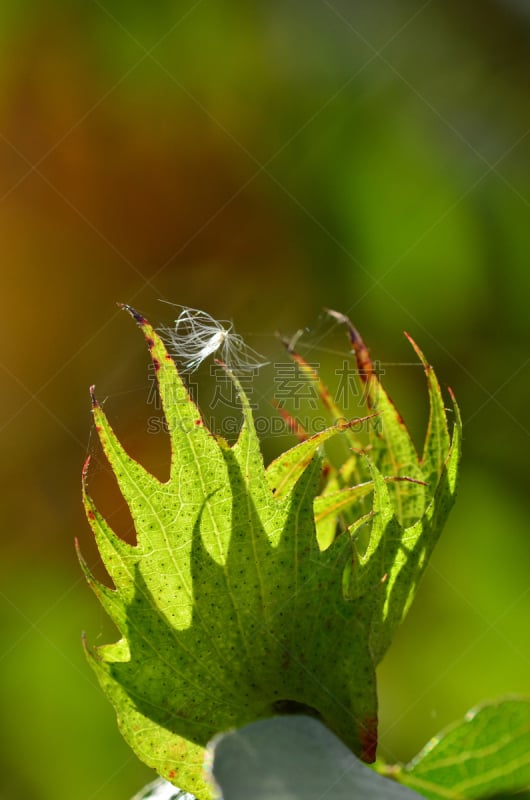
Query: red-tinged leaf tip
{"type": "Point", "coordinates": [362, 354]}
{"type": "Point", "coordinates": [336, 315]}
{"type": "Point", "coordinates": [368, 737]}
{"type": "Point", "coordinates": [407, 335]}
{"type": "Point", "coordinates": [359, 420]}
{"type": "Point", "coordinates": [355, 336]}
{"type": "Point", "coordinates": [456, 408]}
{"type": "Point", "coordinates": [93, 400]}
{"type": "Point", "coordinates": [427, 367]}
{"type": "Point", "coordinates": [84, 471]}
{"type": "Point", "coordinates": [290, 346]}
{"type": "Point", "coordinates": [78, 552]}
{"type": "Point", "coordinates": [84, 643]}
{"type": "Point", "coordinates": [291, 422]}
{"type": "Point", "coordinates": [401, 478]}
{"type": "Point", "coordinates": [141, 320]}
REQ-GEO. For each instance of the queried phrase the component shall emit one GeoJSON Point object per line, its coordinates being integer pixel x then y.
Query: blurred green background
{"type": "Point", "coordinates": [257, 160]}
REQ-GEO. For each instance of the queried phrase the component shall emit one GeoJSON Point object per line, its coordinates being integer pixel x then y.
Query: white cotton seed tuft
{"type": "Point", "coordinates": [196, 335]}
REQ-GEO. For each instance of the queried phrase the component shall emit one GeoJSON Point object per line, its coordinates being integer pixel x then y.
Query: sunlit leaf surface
{"type": "Point", "coordinates": [485, 754]}
{"type": "Point", "coordinates": [229, 610]}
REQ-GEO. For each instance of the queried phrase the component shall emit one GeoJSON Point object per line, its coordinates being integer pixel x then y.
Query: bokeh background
{"type": "Point", "coordinates": [259, 161]}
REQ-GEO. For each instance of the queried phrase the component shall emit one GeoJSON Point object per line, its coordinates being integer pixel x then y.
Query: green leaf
{"type": "Point", "coordinates": [295, 758]}
{"type": "Point", "coordinates": [396, 557]}
{"type": "Point", "coordinates": [394, 542]}
{"type": "Point", "coordinates": [227, 608]}
{"type": "Point", "coordinates": [392, 449]}
{"type": "Point", "coordinates": [437, 439]}
{"type": "Point", "coordinates": [483, 755]}
{"type": "Point", "coordinates": [329, 504]}
{"type": "Point", "coordinates": [284, 471]}
{"type": "Point", "coordinates": [351, 475]}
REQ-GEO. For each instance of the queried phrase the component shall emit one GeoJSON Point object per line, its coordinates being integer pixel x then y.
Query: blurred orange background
{"type": "Point", "coordinates": [258, 161]}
